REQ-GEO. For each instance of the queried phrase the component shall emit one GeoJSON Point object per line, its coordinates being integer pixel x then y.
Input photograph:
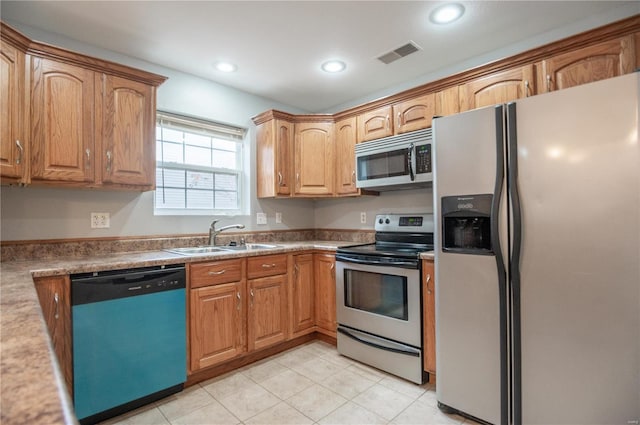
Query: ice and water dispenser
{"type": "Point", "coordinates": [466, 224]}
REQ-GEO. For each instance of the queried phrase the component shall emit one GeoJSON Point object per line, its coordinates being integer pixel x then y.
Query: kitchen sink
{"type": "Point", "coordinates": [248, 247]}
{"type": "Point", "coordinates": [195, 250]}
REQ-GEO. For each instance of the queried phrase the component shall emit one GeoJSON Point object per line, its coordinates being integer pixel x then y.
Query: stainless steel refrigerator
{"type": "Point", "coordinates": [537, 209]}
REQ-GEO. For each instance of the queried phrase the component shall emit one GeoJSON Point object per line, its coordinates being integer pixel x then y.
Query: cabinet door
{"type": "Point", "coordinates": [62, 122]}
{"type": "Point", "coordinates": [414, 114]}
{"type": "Point", "coordinates": [55, 301]}
{"type": "Point", "coordinates": [325, 284]}
{"type": "Point", "coordinates": [429, 319]}
{"type": "Point", "coordinates": [12, 141]}
{"type": "Point", "coordinates": [598, 62]}
{"type": "Point", "coordinates": [274, 141]}
{"type": "Point", "coordinates": [303, 305]}
{"type": "Point", "coordinates": [346, 157]}
{"type": "Point", "coordinates": [375, 124]}
{"type": "Point", "coordinates": [500, 87]}
{"type": "Point", "coordinates": [128, 132]}
{"type": "Point", "coordinates": [447, 101]}
{"type": "Point", "coordinates": [216, 324]}
{"type": "Point", "coordinates": [267, 315]}
{"type": "Point", "coordinates": [314, 159]}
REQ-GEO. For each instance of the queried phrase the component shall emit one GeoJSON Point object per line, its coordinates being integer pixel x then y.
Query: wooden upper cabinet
{"type": "Point", "coordinates": [62, 122]}
{"type": "Point", "coordinates": [598, 62]}
{"type": "Point", "coordinates": [375, 124]}
{"type": "Point", "coordinates": [346, 157]}
{"type": "Point", "coordinates": [447, 101]}
{"type": "Point", "coordinates": [414, 114]}
{"type": "Point", "coordinates": [12, 114]}
{"type": "Point", "coordinates": [274, 142]}
{"type": "Point", "coordinates": [54, 294]}
{"type": "Point", "coordinates": [128, 132]}
{"type": "Point", "coordinates": [500, 87]}
{"type": "Point", "coordinates": [314, 159]}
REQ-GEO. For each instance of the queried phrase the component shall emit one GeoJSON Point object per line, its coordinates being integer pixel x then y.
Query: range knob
{"type": "Point", "coordinates": [380, 221]}
{"type": "Point", "coordinates": [387, 221]}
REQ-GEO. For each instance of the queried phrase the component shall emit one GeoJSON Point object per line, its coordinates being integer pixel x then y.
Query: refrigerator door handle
{"type": "Point", "coordinates": [514, 263]}
{"type": "Point", "coordinates": [500, 264]}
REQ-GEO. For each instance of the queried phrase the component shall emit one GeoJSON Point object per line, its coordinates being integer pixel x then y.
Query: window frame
{"type": "Point", "coordinates": [208, 128]}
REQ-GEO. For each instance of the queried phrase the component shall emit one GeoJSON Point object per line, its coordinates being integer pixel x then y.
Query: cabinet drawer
{"type": "Point", "coordinates": [216, 272]}
{"type": "Point", "coordinates": [267, 265]}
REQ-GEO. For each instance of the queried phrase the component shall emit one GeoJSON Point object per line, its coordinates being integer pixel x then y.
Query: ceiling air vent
{"type": "Point", "coordinates": [398, 53]}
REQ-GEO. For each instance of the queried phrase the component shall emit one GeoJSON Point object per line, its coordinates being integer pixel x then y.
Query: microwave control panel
{"type": "Point", "coordinates": [423, 159]}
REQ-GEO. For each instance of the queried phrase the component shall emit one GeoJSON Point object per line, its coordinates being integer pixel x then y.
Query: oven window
{"type": "Point", "coordinates": [381, 165]}
{"type": "Point", "coordinates": [376, 293]}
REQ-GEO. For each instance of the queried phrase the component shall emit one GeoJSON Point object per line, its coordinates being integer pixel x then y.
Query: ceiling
{"type": "Point", "coordinates": [278, 46]}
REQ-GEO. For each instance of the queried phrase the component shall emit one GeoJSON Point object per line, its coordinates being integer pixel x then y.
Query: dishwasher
{"type": "Point", "coordinates": [129, 339]}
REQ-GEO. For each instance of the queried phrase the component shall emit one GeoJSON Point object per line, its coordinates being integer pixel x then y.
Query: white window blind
{"type": "Point", "coordinates": [198, 166]}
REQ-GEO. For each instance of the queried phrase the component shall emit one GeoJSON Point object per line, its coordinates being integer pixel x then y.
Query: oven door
{"type": "Point", "coordinates": [379, 299]}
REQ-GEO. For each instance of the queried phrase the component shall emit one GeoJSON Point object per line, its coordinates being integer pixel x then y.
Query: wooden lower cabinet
{"type": "Point", "coordinates": [267, 312]}
{"type": "Point", "coordinates": [54, 294]}
{"type": "Point", "coordinates": [429, 315]}
{"type": "Point", "coordinates": [302, 294]}
{"type": "Point", "coordinates": [216, 324]}
{"type": "Point", "coordinates": [324, 268]}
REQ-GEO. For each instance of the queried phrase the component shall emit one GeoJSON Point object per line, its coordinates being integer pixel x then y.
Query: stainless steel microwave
{"type": "Point", "coordinates": [396, 162]}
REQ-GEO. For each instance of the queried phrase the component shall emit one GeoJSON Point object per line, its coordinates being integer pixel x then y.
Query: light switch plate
{"type": "Point", "coordinates": [261, 218]}
{"type": "Point", "coordinates": [363, 217]}
{"type": "Point", "coordinates": [278, 217]}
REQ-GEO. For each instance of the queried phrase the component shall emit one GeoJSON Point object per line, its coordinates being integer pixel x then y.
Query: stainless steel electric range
{"type": "Point", "coordinates": [378, 295]}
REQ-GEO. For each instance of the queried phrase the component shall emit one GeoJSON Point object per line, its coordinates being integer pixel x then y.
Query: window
{"type": "Point", "coordinates": [199, 167]}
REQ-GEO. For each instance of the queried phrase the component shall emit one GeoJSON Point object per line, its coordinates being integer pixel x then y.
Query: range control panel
{"type": "Point", "coordinates": [419, 222]}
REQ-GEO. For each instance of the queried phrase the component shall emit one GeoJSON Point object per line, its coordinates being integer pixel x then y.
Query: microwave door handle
{"type": "Point", "coordinates": [410, 150]}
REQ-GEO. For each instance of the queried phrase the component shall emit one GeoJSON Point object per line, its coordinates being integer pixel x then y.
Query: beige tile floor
{"type": "Point", "coordinates": [309, 384]}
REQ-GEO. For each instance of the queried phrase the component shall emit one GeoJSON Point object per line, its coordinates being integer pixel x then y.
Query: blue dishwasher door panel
{"type": "Point", "coordinates": [127, 348]}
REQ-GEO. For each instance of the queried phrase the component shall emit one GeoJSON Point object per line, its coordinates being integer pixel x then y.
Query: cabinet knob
{"type": "Point", "coordinates": [20, 152]}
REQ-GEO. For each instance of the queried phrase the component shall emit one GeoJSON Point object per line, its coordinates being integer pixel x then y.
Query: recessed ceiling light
{"type": "Point", "coordinates": [334, 66]}
{"type": "Point", "coordinates": [225, 67]}
{"type": "Point", "coordinates": [446, 13]}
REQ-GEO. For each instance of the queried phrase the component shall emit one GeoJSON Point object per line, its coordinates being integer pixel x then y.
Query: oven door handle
{"type": "Point", "coordinates": [406, 351]}
{"type": "Point", "coordinates": [406, 264]}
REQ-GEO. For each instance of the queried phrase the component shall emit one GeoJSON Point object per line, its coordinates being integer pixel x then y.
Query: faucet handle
{"type": "Point", "coordinates": [213, 224]}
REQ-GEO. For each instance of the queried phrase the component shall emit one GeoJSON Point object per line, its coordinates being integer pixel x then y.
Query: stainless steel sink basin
{"type": "Point", "coordinates": [248, 247]}
{"type": "Point", "coordinates": [195, 250]}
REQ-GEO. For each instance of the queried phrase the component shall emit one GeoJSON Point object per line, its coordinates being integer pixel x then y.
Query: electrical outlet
{"type": "Point", "coordinates": [278, 217]}
{"type": "Point", "coordinates": [100, 220]}
{"type": "Point", "coordinates": [363, 217]}
{"type": "Point", "coordinates": [261, 218]}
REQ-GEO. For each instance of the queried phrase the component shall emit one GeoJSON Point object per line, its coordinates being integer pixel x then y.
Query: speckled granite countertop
{"type": "Point", "coordinates": [32, 390]}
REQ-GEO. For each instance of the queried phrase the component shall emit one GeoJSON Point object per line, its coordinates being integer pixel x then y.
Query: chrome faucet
{"type": "Point", "coordinates": [213, 232]}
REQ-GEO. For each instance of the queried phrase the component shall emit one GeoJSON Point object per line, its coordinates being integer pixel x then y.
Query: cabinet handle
{"type": "Point", "coordinates": [268, 266]}
{"type": "Point", "coordinates": [548, 82]}
{"type": "Point", "coordinates": [238, 296]}
{"type": "Point", "coordinates": [353, 176]}
{"type": "Point", "coordinates": [109, 161]}
{"type": "Point", "coordinates": [295, 270]}
{"type": "Point", "coordinates": [399, 115]}
{"type": "Point", "coordinates": [88, 153]}
{"type": "Point", "coordinates": [526, 88]}
{"type": "Point", "coordinates": [280, 179]}
{"type": "Point", "coordinates": [298, 179]}
{"type": "Point", "coordinates": [251, 292]}
{"type": "Point", "coordinates": [388, 121]}
{"type": "Point", "coordinates": [223, 271]}
{"type": "Point", "coordinates": [56, 300]}
{"type": "Point", "coordinates": [20, 152]}
{"type": "Point", "coordinates": [333, 266]}
{"type": "Point", "coordinates": [428, 280]}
